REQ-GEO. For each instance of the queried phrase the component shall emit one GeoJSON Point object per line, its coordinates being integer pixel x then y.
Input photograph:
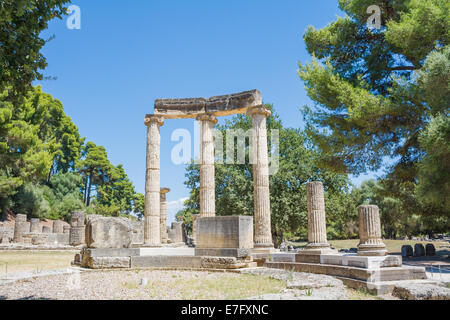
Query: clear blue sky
{"type": "Point", "coordinates": [129, 53]}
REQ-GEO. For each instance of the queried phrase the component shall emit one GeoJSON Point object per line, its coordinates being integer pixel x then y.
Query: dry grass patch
{"type": "Point", "coordinates": [31, 261]}
{"type": "Point", "coordinates": [208, 286]}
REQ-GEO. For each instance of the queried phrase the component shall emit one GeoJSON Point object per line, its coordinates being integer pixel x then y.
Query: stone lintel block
{"type": "Point", "coordinates": [111, 252]}
{"type": "Point", "coordinates": [218, 105]}
{"type": "Point", "coordinates": [223, 252]}
{"type": "Point", "coordinates": [224, 232]}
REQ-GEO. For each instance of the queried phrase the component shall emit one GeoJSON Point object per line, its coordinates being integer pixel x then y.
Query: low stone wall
{"type": "Point", "coordinates": [130, 258]}
{"type": "Point", "coordinates": [6, 233]}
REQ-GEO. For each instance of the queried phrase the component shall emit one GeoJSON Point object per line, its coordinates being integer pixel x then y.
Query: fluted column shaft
{"type": "Point", "coordinates": [163, 215]}
{"type": "Point", "coordinates": [317, 228]}
{"type": "Point", "coordinates": [207, 179]}
{"type": "Point", "coordinates": [370, 243]}
{"type": "Point", "coordinates": [152, 223]}
{"type": "Point", "coordinates": [261, 192]}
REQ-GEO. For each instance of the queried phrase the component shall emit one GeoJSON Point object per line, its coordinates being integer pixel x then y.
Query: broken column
{"type": "Point", "coordinates": [77, 229]}
{"type": "Point", "coordinates": [152, 222]}
{"type": "Point", "coordinates": [370, 243]}
{"type": "Point", "coordinates": [317, 224]}
{"type": "Point", "coordinates": [263, 234]}
{"type": "Point", "coordinates": [35, 225]}
{"type": "Point", "coordinates": [163, 216]}
{"type": "Point", "coordinates": [58, 226]}
{"type": "Point", "coordinates": [194, 228]}
{"type": "Point", "coordinates": [207, 182]}
{"type": "Point", "coordinates": [20, 227]}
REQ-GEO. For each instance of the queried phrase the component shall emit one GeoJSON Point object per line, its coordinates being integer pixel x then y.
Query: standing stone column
{"type": "Point", "coordinates": [261, 193]}
{"type": "Point", "coordinates": [35, 226]}
{"type": "Point", "coordinates": [194, 228]}
{"type": "Point", "coordinates": [77, 229]}
{"type": "Point", "coordinates": [317, 225]}
{"type": "Point", "coordinates": [152, 223]}
{"type": "Point", "coordinates": [370, 243]}
{"type": "Point", "coordinates": [207, 180]}
{"type": "Point", "coordinates": [20, 227]}
{"type": "Point", "coordinates": [163, 217]}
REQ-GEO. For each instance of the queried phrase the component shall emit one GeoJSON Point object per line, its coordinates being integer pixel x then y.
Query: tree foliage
{"type": "Point", "coordinates": [21, 23]}
{"type": "Point", "coordinates": [379, 93]}
{"type": "Point", "coordinates": [234, 185]}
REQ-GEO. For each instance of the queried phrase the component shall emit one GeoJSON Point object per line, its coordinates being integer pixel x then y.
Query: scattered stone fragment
{"type": "Point", "coordinates": [415, 291]}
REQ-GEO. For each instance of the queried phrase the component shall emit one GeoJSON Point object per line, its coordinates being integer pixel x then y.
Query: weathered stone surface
{"type": "Point", "coordinates": [367, 262]}
{"type": "Point", "coordinates": [6, 231]}
{"type": "Point", "coordinates": [4, 239]}
{"type": "Point", "coordinates": [66, 229]}
{"type": "Point", "coordinates": [20, 227]}
{"type": "Point", "coordinates": [111, 252]}
{"type": "Point", "coordinates": [46, 229]}
{"type": "Point", "coordinates": [138, 232]}
{"type": "Point", "coordinates": [105, 262]}
{"type": "Point", "coordinates": [407, 251]}
{"type": "Point", "coordinates": [58, 226]}
{"type": "Point", "coordinates": [225, 232]}
{"type": "Point", "coordinates": [223, 263]}
{"type": "Point", "coordinates": [35, 225]}
{"type": "Point", "coordinates": [419, 250]}
{"type": "Point", "coordinates": [414, 291]}
{"type": "Point", "coordinates": [163, 214]}
{"type": "Point", "coordinates": [36, 238]}
{"type": "Point", "coordinates": [224, 252]}
{"type": "Point", "coordinates": [77, 236]}
{"type": "Point", "coordinates": [176, 232]}
{"type": "Point", "coordinates": [261, 192]}
{"type": "Point", "coordinates": [59, 238]}
{"type": "Point", "coordinates": [317, 229]}
{"type": "Point", "coordinates": [430, 250]}
{"type": "Point", "coordinates": [109, 232]}
{"type": "Point", "coordinates": [207, 180]}
{"type": "Point", "coordinates": [370, 243]}
{"type": "Point", "coordinates": [166, 262]}
{"type": "Point", "coordinates": [77, 219]}
{"type": "Point", "coordinates": [152, 211]}
{"type": "Point", "coordinates": [218, 105]}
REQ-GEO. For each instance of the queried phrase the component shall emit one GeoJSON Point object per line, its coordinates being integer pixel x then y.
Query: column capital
{"type": "Point", "coordinates": [153, 118]}
{"type": "Point", "coordinates": [259, 110]}
{"type": "Point", "coordinates": [164, 190]}
{"type": "Point", "coordinates": [207, 117]}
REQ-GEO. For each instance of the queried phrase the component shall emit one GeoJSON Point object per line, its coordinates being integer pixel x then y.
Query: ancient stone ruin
{"type": "Point", "coordinates": [234, 241]}
{"type": "Point", "coordinates": [206, 111]}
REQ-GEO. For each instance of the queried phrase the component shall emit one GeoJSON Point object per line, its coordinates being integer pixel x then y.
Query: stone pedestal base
{"type": "Point", "coordinates": [366, 262]}
{"type": "Point", "coordinates": [312, 255]}
{"type": "Point", "coordinates": [259, 250]}
{"type": "Point", "coordinates": [223, 252]}
{"type": "Point", "coordinates": [105, 258]}
{"type": "Point", "coordinates": [149, 246]}
{"type": "Point", "coordinates": [372, 250]}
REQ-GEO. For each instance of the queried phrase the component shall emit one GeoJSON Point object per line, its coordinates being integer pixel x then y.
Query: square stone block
{"type": "Point", "coordinates": [230, 232]}
{"type": "Point", "coordinates": [366, 262]}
